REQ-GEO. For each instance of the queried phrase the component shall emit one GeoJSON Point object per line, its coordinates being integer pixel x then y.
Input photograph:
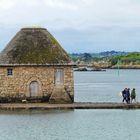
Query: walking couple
{"type": "Point", "coordinates": [127, 97]}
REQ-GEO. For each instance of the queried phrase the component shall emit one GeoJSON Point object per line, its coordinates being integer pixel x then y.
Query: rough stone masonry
{"type": "Point", "coordinates": [33, 66]}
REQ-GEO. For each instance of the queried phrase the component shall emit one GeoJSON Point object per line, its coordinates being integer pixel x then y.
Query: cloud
{"type": "Point", "coordinates": [62, 4]}
{"type": "Point", "coordinates": [6, 4]}
{"type": "Point", "coordinates": [79, 14]}
{"type": "Point", "coordinates": [101, 22]}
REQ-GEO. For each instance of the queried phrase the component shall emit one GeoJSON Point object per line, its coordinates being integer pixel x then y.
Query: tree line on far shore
{"type": "Point", "coordinates": [109, 57]}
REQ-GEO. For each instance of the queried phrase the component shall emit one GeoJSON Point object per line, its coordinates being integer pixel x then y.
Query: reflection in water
{"type": "Point", "coordinates": [35, 111]}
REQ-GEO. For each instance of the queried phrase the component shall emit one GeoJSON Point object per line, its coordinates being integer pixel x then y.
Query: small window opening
{"type": "Point", "coordinates": [9, 72]}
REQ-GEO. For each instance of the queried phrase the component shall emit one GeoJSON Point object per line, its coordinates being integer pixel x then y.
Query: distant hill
{"type": "Point", "coordinates": [112, 53]}
{"type": "Point", "coordinates": [109, 59]}
{"type": "Point", "coordinates": [96, 56]}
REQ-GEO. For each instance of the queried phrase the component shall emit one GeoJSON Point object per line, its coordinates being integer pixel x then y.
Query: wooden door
{"type": "Point", "coordinates": [59, 77]}
{"type": "Point", "coordinates": [34, 89]}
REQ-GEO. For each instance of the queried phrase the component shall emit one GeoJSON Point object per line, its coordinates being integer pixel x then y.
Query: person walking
{"type": "Point", "coordinates": [124, 95]}
{"type": "Point", "coordinates": [133, 95]}
{"type": "Point", "coordinates": [128, 96]}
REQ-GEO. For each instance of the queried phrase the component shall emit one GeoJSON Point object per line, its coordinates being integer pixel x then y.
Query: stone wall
{"type": "Point", "coordinates": [17, 86]}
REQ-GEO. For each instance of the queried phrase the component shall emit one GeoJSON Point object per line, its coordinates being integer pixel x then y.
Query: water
{"type": "Point", "coordinates": [105, 86]}
{"type": "Point", "coordinates": [71, 125]}
{"type": "Point", "coordinates": [80, 124]}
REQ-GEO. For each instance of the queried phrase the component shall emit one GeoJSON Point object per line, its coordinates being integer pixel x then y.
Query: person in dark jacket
{"type": "Point", "coordinates": [124, 95]}
{"type": "Point", "coordinates": [133, 95]}
{"type": "Point", "coordinates": [128, 96]}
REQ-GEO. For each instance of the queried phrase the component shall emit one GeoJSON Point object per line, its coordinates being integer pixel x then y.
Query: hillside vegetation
{"type": "Point", "coordinates": [133, 58]}
{"type": "Point", "coordinates": [110, 59]}
{"type": "Point", "coordinates": [102, 56]}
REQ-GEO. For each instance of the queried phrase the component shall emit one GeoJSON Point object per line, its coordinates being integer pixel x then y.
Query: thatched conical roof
{"type": "Point", "coordinates": [34, 46]}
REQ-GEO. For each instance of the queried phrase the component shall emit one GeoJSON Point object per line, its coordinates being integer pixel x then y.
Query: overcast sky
{"type": "Point", "coordinates": [78, 25]}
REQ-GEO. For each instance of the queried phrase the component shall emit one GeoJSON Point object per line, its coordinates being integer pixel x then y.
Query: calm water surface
{"type": "Point", "coordinates": [71, 125]}
{"type": "Point", "coordinates": [80, 124]}
{"type": "Point", "coordinates": [105, 86]}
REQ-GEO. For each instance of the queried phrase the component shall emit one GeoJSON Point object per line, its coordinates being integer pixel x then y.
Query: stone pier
{"type": "Point", "coordinates": [76, 105]}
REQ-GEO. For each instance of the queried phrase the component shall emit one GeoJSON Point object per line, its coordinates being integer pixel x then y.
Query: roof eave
{"type": "Point", "coordinates": [31, 65]}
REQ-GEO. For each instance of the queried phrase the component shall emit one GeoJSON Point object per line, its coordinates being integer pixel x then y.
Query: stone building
{"type": "Point", "coordinates": [34, 66]}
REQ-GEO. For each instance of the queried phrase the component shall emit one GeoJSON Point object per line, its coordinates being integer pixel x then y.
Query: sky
{"type": "Point", "coordinates": [78, 25]}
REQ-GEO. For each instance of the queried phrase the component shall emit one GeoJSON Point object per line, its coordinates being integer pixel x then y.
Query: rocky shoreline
{"type": "Point", "coordinates": [84, 69]}
{"type": "Point", "coordinates": [126, 67]}
{"type": "Point", "coordinates": [103, 67]}
{"type": "Point", "coordinates": [88, 69]}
